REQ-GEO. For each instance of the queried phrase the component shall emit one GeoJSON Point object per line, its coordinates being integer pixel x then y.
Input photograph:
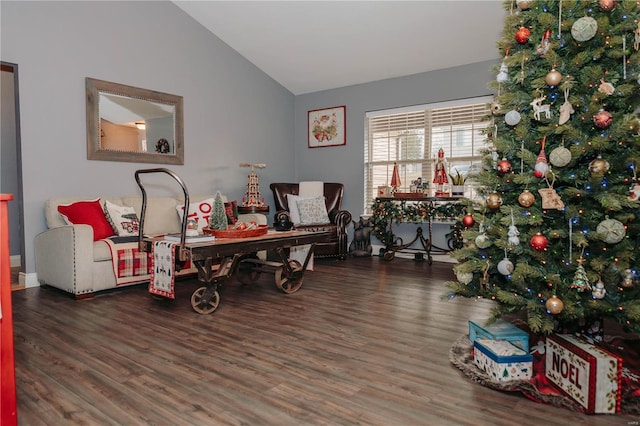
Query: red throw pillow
{"type": "Point", "coordinates": [88, 213]}
{"type": "Point", "coordinates": [231, 210]}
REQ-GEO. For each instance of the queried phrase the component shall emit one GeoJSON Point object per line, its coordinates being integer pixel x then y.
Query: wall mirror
{"type": "Point", "coordinates": [127, 123]}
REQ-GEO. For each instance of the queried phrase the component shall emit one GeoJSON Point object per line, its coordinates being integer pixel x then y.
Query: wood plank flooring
{"type": "Point", "coordinates": [364, 342]}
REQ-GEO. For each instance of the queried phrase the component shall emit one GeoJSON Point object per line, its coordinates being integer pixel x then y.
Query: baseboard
{"type": "Point", "coordinates": [28, 280]}
{"type": "Point", "coordinates": [15, 260]}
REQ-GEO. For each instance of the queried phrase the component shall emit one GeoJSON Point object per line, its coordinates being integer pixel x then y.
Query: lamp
{"type": "Point", "coordinates": [252, 197]}
{"type": "Point", "coordinates": [395, 178]}
{"type": "Point", "coordinates": [141, 125]}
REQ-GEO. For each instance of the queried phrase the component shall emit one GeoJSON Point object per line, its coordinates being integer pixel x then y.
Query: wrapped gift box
{"type": "Point", "coordinates": [498, 330]}
{"type": "Point", "coordinates": [588, 374]}
{"type": "Point", "coordinates": [502, 360]}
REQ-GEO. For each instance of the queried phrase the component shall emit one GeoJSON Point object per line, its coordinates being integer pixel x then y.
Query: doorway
{"type": "Point", "coordinates": [11, 162]}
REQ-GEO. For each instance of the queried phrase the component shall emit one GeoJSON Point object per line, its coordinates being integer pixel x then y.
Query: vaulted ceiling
{"type": "Point", "coordinates": [309, 46]}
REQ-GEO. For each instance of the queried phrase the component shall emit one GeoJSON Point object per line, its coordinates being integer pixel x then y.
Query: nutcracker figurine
{"type": "Point", "coordinates": [440, 177]}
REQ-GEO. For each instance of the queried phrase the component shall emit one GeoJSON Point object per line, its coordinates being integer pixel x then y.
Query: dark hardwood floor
{"type": "Point", "coordinates": [364, 342]}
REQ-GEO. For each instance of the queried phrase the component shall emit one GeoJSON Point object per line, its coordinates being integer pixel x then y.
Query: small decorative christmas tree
{"type": "Point", "coordinates": [568, 88]}
{"type": "Point", "coordinates": [218, 218]}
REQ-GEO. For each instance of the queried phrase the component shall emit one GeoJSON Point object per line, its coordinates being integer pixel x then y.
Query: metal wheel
{"type": "Point", "coordinates": [389, 255]}
{"type": "Point", "coordinates": [284, 282]}
{"type": "Point", "coordinates": [199, 304]}
{"type": "Point", "coordinates": [247, 273]}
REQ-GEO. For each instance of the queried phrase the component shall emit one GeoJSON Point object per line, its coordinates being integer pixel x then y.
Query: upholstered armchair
{"type": "Point", "coordinates": [334, 219]}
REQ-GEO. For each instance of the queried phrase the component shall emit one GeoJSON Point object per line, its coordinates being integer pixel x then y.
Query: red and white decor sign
{"type": "Point", "coordinates": [588, 374]}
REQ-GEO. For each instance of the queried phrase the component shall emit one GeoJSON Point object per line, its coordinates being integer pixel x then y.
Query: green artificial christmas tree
{"type": "Point", "coordinates": [560, 194]}
{"type": "Point", "coordinates": [218, 217]}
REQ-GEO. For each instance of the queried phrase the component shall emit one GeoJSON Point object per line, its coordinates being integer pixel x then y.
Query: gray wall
{"type": "Point", "coordinates": [233, 112]}
{"type": "Point", "coordinates": [345, 163]}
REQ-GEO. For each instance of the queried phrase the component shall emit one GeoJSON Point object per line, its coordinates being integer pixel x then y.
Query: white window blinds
{"type": "Point", "coordinates": [412, 138]}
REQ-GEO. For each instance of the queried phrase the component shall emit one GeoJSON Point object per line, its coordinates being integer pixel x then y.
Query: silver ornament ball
{"type": "Point", "coordinates": [512, 117]}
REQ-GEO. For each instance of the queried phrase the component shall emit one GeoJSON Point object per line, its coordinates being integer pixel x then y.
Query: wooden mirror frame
{"type": "Point", "coordinates": [94, 149]}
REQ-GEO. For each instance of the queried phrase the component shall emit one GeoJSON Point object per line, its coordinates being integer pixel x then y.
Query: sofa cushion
{"type": "Point", "coordinates": [292, 202]}
{"type": "Point", "coordinates": [161, 217]}
{"type": "Point", "coordinates": [123, 219]}
{"type": "Point", "coordinates": [312, 211]}
{"type": "Point", "coordinates": [87, 212]}
{"type": "Point", "coordinates": [199, 211]}
{"type": "Point", "coordinates": [101, 251]}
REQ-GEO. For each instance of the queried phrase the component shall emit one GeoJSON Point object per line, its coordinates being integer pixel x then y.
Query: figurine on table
{"type": "Point", "coordinates": [440, 177]}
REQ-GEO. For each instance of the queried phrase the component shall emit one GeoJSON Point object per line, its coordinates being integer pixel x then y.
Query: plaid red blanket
{"type": "Point", "coordinates": [130, 265]}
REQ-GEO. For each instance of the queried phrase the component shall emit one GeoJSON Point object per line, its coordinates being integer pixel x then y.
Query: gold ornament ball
{"type": "Point", "coordinates": [553, 78]}
{"type": "Point", "coordinates": [526, 198]}
{"type": "Point", "coordinates": [554, 305]}
{"type": "Point", "coordinates": [494, 201]}
{"type": "Point", "coordinates": [523, 4]}
{"type": "Point", "coordinates": [599, 166]}
{"type": "Point", "coordinates": [560, 156]}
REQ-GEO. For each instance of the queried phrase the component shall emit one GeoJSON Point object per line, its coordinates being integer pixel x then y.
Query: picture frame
{"type": "Point", "coordinates": [384, 191]}
{"type": "Point", "coordinates": [327, 127]}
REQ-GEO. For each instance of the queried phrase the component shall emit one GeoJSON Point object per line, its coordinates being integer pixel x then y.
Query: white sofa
{"type": "Point", "coordinates": [68, 258]}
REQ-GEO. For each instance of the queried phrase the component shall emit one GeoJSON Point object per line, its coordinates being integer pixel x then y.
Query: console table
{"type": "Point", "coordinates": [414, 209]}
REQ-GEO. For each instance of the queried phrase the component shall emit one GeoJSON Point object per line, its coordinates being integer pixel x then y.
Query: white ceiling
{"type": "Point", "coordinates": [308, 46]}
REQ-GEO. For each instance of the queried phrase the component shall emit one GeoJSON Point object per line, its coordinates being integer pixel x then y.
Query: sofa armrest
{"type": "Point", "coordinates": [342, 219]}
{"type": "Point", "coordinates": [64, 258]}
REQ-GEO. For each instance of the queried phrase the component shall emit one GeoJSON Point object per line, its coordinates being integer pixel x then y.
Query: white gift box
{"type": "Point", "coordinates": [588, 374]}
{"type": "Point", "coordinates": [502, 360]}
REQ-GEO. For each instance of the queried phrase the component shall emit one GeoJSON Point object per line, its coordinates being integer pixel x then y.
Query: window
{"type": "Point", "coordinates": [411, 138]}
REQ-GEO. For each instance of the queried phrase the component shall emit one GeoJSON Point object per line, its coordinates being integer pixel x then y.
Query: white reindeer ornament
{"type": "Point", "coordinates": [538, 108]}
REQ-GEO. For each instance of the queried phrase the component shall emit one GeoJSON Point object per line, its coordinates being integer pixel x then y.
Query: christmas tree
{"type": "Point", "coordinates": [218, 217]}
{"type": "Point", "coordinates": [559, 193]}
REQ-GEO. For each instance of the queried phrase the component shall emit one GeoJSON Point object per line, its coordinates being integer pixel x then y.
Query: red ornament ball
{"type": "Point", "coordinates": [539, 242]}
{"type": "Point", "coordinates": [504, 166]}
{"type": "Point", "coordinates": [468, 220]}
{"type": "Point", "coordinates": [522, 35]}
{"type": "Point", "coordinates": [603, 119]}
{"type": "Point", "coordinates": [607, 5]}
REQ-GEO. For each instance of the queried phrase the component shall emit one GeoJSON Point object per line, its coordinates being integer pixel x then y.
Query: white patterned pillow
{"type": "Point", "coordinates": [313, 211]}
{"type": "Point", "coordinates": [123, 219]}
{"type": "Point", "coordinates": [198, 211]}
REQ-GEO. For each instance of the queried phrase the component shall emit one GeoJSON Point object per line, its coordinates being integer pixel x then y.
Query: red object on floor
{"type": "Point", "coordinates": [8, 410]}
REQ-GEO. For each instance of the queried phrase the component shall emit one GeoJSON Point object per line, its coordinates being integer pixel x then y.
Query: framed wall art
{"type": "Point", "coordinates": [327, 127]}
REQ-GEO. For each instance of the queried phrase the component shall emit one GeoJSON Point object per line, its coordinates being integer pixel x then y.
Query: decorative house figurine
{"type": "Point", "coordinates": [252, 197]}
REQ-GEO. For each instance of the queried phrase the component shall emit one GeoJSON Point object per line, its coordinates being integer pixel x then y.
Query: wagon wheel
{"type": "Point", "coordinates": [284, 282]}
{"type": "Point", "coordinates": [200, 306]}
{"type": "Point", "coordinates": [247, 273]}
{"type": "Point", "coordinates": [389, 255]}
